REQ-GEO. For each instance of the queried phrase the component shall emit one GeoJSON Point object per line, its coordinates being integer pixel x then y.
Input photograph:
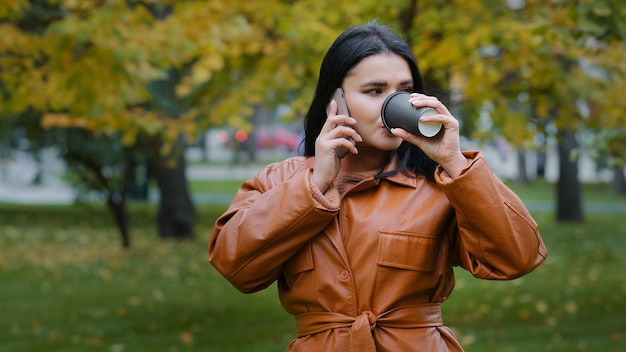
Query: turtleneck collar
{"type": "Point", "coordinates": [368, 160]}
{"type": "Point", "coordinates": [356, 168]}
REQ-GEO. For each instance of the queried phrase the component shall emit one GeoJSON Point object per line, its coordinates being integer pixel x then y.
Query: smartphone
{"type": "Point", "coordinates": [342, 109]}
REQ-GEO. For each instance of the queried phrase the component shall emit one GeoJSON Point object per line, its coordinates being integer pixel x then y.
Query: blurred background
{"type": "Point", "coordinates": [127, 126]}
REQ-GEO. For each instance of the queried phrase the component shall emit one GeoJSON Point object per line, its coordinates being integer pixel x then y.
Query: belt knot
{"type": "Point", "coordinates": [361, 336]}
{"type": "Point", "coordinates": [371, 319]}
{"type": "Point", "coordinates": [361, 326]}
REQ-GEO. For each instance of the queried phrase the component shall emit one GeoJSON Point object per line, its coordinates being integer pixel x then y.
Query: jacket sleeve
{"type": "Point", "coordinates": [271, 217]}
{"type": "Point", "coordinates": [497, 237]}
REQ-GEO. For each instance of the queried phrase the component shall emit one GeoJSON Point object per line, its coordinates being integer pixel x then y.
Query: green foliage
{"type": "Point", "coordinates": [66, 285]}
{"type": "Point", "coordinates": [90, 62]}
{"type": "Point", "coordinates": [88, 65]}
{"type": "Point", "coordinates": [102, 65]}
{"type": "Point", "coordinates": [532, 65]}
{"type": "Point", "coordinates": [105, 174]}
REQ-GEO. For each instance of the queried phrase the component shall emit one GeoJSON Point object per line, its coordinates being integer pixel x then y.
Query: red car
{"type": "Point", "coordinates": [277, 137]}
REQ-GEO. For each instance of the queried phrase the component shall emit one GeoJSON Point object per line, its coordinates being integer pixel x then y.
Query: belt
{"type": "Point", "coordinates": [361, 338]}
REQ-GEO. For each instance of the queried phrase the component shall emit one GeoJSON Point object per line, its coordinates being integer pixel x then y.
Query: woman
{"type": "Point", "coordinates": [363, 247]}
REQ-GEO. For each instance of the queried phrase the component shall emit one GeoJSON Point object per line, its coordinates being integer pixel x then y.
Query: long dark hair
{"type": "Point", "coordinates": [352, 46]}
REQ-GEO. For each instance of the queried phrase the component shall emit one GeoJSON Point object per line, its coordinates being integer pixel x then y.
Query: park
{"type": "Point", "coordinates": [127, 127]}
{"type": "Point", "coordinates": [68, 285]}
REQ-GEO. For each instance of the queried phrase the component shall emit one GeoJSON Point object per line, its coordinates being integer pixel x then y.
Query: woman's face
{"type": "Point", "coordinates": [366, 86]}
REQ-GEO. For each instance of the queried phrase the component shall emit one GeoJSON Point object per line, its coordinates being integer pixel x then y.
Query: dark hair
{"type": "Point", "coordinates": [352, 46]}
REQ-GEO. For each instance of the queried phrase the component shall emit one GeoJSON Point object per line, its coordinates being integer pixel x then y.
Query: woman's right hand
{"type": "Point", "coordinates": [336, 133]}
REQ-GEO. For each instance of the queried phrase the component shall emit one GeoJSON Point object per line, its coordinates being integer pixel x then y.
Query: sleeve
{"type": "Point", "coordinates": [268, 221]}
{"type": "Point", "coordinates": [497, 237]}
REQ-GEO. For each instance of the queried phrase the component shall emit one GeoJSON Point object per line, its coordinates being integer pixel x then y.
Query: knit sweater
{"type": "Point", "coordinates": [356, 168]}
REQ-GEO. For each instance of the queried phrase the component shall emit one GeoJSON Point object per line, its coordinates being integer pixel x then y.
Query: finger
{"type": "Point", "coordinates": [349, 133]}
{"type": "Point", "coordinates": [424, 96]}
{"type": "Point", "coordinates": [344, 145]}
{"type": "Point", "coordinates": [406, 136]}
{"type": "Point", "coordinates": [334, 121]}
{"type": "Point", "coordinates": [344, 125]}
{"type": "Point", "coordinates": [342, 132]}
{"type": "Point", "coordinates": [337, 146]}
{"type": "Point", "coordinates": [422, 100]}
{"type": "Point", "coordinates": [332, 108]}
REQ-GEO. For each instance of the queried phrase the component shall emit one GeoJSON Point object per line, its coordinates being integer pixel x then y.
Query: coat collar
{"type": "Point", "coordinates": [399, 178]}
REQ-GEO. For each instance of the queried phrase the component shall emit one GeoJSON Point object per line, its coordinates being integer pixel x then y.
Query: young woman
{"type": "Point", "coordinates": [363, 246]}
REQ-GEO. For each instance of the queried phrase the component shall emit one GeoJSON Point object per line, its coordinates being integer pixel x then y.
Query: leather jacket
{"type": "Point", "coordinates": [368, 270]}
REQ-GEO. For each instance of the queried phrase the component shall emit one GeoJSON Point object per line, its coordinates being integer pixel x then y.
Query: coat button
{"type": "Point", "coordinates": [344, 274]}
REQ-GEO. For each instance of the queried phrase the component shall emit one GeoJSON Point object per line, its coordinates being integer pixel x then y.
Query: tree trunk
{"type": "Point", "coordinates": [136, 178]}
{"type": "Point", "coordinates": [569, 205]}
{"type": "Point", "coordinates": [117, 205]}
{"type": "Point", "coordinates": [618, 185]}
{"type": "Point", "coordinates": [521, 166]}
{"type": "Point", "coordinates": [540, 169]}
{"type": "Point", "coordinates": [541, 164]}
{"type": "Point", "coordinates": [175, 214]}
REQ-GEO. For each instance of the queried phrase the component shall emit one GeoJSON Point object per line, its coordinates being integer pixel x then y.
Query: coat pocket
{"type": "Point", "coordinates": [301, 262]}
{"type": "Point", "coordinates": [406, 250]}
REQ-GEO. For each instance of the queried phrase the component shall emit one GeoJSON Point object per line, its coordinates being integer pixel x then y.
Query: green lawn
{"type": "Point", "coordinates": [591, 192]}
{"type": "Point", "coordinates": [67, 286]}
{"type": "Point", "coordinates": [214, 186]}
{"type": "Point", "coordinates": [542, 191]}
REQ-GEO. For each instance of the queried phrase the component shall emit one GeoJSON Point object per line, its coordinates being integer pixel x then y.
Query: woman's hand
{"type": "Point", "coordinates": [336, 133]}
{"type": "Point", "coordinates": [444, 149]}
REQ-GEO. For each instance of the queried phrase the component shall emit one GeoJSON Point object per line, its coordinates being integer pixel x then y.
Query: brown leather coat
{"type": "Point", "coordinates": [369, 270]}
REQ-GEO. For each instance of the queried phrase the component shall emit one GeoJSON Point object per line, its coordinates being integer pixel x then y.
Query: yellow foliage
{"type": "Point", "coordinates": [92, 67]}
{"type": "Point", "coordinates": [50, 120]}
{"type": "Point", "coordinates": [12, 8]}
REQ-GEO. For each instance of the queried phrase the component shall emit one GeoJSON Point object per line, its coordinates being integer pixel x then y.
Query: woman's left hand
{"type": "Point", "coordinates": [445, 148]}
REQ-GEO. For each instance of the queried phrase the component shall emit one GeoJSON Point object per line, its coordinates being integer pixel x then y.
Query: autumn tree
{"type": "Point", "coordinates": [87, 66]}
{"type": "Point", "coordinates": [164, 70]}
{"type": "Point", "coordinates": [529, 65]}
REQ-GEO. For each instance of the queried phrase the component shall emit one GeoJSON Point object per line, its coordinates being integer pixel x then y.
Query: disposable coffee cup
{"type": "Point", "coordinates": [398, 112]}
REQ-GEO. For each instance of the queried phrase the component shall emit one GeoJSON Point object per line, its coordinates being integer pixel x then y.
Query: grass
{"type": "Point", "coordinates": [542, 190]}
{"type": "Point", "coordinates": [539, 190]}
{"type": "Point", "coordinates": [214, 186]}
{"type": "Point", "coordinates": [575, 301]}
{"type": "Point", "coordinates": [67, 286]}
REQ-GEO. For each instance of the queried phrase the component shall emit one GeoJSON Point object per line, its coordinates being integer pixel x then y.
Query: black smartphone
{"type": "Point", "coordinates": [342, 109]}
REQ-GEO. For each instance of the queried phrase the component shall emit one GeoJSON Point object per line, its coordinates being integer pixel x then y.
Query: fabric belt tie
{"type": "Point", "coordinates": [361, 338]}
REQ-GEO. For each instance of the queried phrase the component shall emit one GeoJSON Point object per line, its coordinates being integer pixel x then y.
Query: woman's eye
{"type": "Point", "coordinates": [407, 89]}
{"type": "Point", "coordinates": [374, 91]}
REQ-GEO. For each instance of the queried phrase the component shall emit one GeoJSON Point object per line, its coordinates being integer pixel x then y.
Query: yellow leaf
{"type": "Point", "coordinates": [571, 307]}
{"type": "Point", "coordinates": [186, 338]}
{"type": "Point", "coordinates": [200, 75]}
